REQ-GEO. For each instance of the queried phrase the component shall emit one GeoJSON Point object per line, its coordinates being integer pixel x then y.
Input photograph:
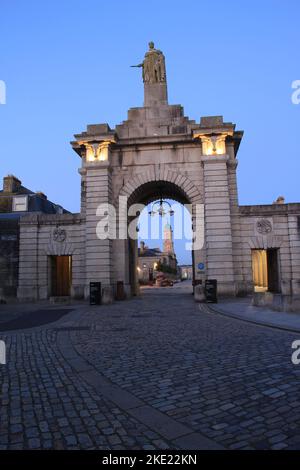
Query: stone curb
{"type": "Point", "coordinates": [178, 434]}
{"type": "Point", "coordinates": [263, 323]}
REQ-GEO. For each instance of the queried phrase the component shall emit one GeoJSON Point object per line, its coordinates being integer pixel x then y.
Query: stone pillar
{"type": "Point", "coordinates": [241, 286]}
{"type": "Point", "coordinates": [120, 246]}
{"type": "Point", "coordinates": [218, 231]}
{"type": "Point", "coordinates": [255, 268]}
{"type": "Point", "coordinates": [121, 264]}
{"type": "Point", "coordinates": [82, 172]}
{"type": "Point", "coordinates": [155, 94]}
{"type": "Point", "coordinates": [99, 260]}
{"type": "Point", "coordinates": [294, 241]}
{"type": "Point", "coordinates": [199, 253]}
{"type": "Point", "coordinates": [135, 263]}
{"type": "Point", "coordinates": [28, 259]}
{"type": "Point", "coordinates": [264, 268]}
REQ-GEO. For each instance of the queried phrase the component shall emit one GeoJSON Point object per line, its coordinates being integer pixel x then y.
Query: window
{"type": "Point", "coordinates": [20, 203]}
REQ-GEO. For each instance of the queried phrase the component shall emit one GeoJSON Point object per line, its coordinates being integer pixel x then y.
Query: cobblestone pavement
{"type": "Point", "coordinates": [155, 373]}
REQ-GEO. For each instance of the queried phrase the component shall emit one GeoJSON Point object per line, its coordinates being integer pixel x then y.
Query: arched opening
{"type": "Point", "coordinates": [265, 270]}
{"type": "Point", "coordinates": [155, 261]}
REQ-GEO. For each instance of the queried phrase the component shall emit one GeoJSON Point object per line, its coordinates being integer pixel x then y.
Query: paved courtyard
{"type": "Point", "coordinates": [155, 372]}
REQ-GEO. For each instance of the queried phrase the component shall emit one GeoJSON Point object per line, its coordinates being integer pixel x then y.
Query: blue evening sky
{"type": "Point", "coordinates": [66, 64]}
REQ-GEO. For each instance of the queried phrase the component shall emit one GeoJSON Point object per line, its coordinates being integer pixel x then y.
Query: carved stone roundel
{"type": "Point", "coordinates": [263, 226]}
{"type": "Point", "coordinates": [59, 234]}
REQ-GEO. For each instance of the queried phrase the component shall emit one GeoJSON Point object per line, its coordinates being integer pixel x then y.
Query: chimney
{"type": "Point", "coordinates": [11, 184]}
{"type": "Point", "coordinates": [142, 247]}
{"type": "Point", "coordinates": [41, 195]}
{"type": "Point", "coordinates": [279, 200]}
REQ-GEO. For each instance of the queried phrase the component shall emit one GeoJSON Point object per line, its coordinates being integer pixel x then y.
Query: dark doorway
{"type": "Point", "coordinates": [61, 271]}
{"type": "Point", "coordinates": [273, 271]}
{"type": "Point", "coordinates": [132, 248]}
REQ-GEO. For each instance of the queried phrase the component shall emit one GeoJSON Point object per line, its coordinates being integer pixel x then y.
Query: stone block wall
{"type": "Point", "coordinates": [281, 232]}
{"type": "Point", "coordinates": [9, 257]}
{"type": "Point", "coordinates": [43, 236]}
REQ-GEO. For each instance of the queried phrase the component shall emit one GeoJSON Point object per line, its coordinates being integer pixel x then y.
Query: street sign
{"type": "Point", "coordinates": [201, 266]}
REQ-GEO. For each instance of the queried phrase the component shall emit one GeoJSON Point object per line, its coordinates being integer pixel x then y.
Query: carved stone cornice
{"type": "Point", "coordinates": [214, 158]}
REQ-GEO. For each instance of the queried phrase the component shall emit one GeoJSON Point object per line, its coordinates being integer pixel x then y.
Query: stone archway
{"type": "Point", "coordinates": [155, 175]}
{"type": "Point", "coordinates": [148, 187]}
{"type": "Point", "coordinates": [158, 144]}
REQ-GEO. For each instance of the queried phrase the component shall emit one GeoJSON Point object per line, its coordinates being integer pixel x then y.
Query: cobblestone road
{"type": "Point", "coordinates": [153, 373]}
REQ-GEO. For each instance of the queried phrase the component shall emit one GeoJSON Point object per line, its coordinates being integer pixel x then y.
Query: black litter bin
{"type": "Point", "coordinates": [211, 291]}
{"type": "Point", "coordinates": [95, 293]}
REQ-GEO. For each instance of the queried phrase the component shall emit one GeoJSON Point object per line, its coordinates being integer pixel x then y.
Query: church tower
{"type": "Point", "coordinates": [168, 239]}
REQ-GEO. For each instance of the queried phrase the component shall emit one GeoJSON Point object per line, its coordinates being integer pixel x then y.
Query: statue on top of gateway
{"type": "Point", "coordinates": [154, 68]}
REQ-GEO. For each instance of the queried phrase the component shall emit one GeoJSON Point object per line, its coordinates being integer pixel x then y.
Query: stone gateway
{"type": "Point", "coordinates": [158, 149]}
